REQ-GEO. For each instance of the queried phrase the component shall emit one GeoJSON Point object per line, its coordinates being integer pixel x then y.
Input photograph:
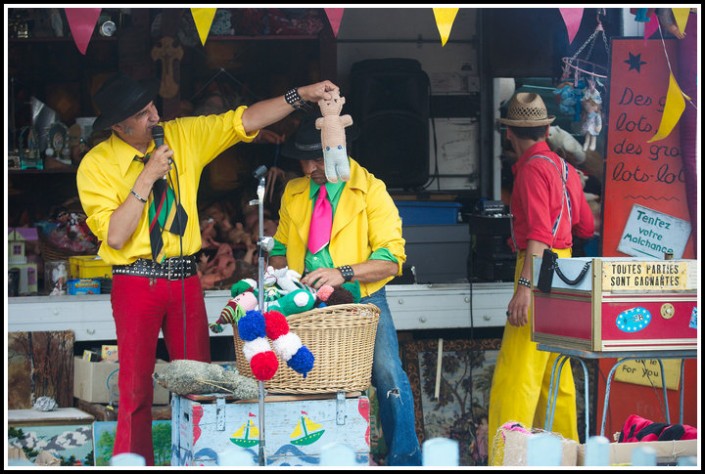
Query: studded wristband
{"type": "Point", "coordinates": [347, 272]}
{"type": "Point", "coordinates": [524, 282]}
{"type": "Point", "coordinates": [293, 98]}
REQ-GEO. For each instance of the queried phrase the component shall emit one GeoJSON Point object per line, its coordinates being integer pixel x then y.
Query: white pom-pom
{"type": "Point", "coordinates": [286, 346]}
{"type": "Point", "coordinates": [251, 348]}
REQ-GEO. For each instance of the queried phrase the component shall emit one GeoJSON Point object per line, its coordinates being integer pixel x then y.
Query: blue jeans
{"type": "Point", "coordinates": [396, 402]}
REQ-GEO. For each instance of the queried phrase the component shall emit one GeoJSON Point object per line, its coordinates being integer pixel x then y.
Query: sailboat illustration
{"type": "Point", "coordinates": [306, 431]}
{"type": "Point", "coordinates": [247, 435]}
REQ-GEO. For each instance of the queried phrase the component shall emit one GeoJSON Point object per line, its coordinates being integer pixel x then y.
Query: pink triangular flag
{"type": "Point", "coordinates": [572, 18]}
{"type": "Point", "coordinates": [82, 22]}
{"type": "Point", "coordinates": [651, 26]}
{"type": "Point", "coordinates": [335, 16]}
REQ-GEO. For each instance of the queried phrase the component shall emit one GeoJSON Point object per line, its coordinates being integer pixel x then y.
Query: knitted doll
{"type": "Point", "coordinates": [332, 126]}
{"type": "Point", "coordinates": [592, 123]}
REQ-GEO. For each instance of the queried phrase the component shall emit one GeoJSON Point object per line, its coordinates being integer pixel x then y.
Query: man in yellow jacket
{"type": "Point", "coordinates": [365, 246]}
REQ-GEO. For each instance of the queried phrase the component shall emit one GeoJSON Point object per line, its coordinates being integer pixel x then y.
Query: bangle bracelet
{"type": "Point", "coordinates": [347, 272]}
{"type": "Point", "coordinates": [524, 282]}
{"type": "Point", "coordinates": [139, 198]}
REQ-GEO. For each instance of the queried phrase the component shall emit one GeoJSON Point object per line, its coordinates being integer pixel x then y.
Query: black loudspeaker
{"type": "Point", "coordinates": [390, 102]}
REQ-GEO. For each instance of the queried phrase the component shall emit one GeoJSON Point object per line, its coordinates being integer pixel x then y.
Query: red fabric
{"type": "Point", "coordinates": [537, 198]}
{"type": "Point", "coordinates": [141, 309]}
{"type": "Point", "coordinates": [637, 429]}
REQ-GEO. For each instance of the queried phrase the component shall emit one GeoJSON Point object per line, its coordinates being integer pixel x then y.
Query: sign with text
{"type": "Point", "coordinates": [648, 372]}
{"type": "Point", "coordinates": [644, 190]}
{"type": "Point", "coordinates": [637, 275]}
{"type": "Point", "coordinates": [650, 233]}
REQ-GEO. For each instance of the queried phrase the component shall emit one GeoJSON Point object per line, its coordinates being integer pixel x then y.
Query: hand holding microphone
{"type": "Point", "coordinates": [158, 136]}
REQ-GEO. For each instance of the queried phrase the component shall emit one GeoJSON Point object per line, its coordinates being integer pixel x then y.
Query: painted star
{"type": "Point", "coordinates": [635, 62]}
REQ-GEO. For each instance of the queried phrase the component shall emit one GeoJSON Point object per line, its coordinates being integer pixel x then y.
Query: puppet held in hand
{"type": "Point", "coordinates": [184, 377]}
{"type": "Point", "coordinates": [332, 126]}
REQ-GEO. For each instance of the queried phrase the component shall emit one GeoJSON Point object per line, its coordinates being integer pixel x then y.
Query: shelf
{"type": "Point", "coordinates": [44, 171]}
{"type": "Point", "coordinates": [54, 39]}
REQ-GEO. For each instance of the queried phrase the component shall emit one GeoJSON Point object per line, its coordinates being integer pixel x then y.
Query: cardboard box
{"type": "Point", "coordinates": [83, 286]}
{"type": "Point", "coordinates": [52, 436]}
{"type": "Point", "coordinates": [297, 427]}
{"type": "Point", "coordinates": [622, 304]}
{"type": "Point", "coordinates": [89, 266]}
{"type": "Point", "coordinates": [97, 382]}
{"type": "Point", "coordinates": [667, 452]}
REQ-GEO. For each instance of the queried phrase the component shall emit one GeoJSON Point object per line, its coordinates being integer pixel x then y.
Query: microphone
{"type": "Point", "coordinates": [158, 136]}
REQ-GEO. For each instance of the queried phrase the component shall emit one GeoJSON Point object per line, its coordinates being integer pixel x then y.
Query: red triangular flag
{"type": "Point", "coordinates": [82, 22]}
{"type": "Point", "coordinates": [335, 16]}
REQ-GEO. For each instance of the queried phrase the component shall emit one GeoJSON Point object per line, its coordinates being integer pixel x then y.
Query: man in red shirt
{"type": "Point", "coordinates": [548, 207]}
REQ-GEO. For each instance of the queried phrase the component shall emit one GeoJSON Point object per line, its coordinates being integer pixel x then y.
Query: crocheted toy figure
{"type": "Point", "coordinates": [294, 302]}
{"type": "Point", "coordinates": [332, 126]}
{"type": "Point", "coordinates": [234, 310]}
{"type": "Point", "coordinates": [592, 123]}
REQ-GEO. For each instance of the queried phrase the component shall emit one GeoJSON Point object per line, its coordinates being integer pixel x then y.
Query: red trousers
{"type": "Point", "coordinates": [141, 308]}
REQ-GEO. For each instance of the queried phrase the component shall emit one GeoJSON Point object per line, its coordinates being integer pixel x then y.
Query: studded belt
{"type": "Point", "coordinates": [173, 268]}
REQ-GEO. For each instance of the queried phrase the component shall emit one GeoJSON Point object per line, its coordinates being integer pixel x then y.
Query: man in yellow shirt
{"type": "Point", "coordinates": [150, 232]}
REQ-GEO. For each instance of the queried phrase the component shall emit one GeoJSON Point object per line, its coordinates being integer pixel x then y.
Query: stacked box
{"type": "Point", "coordinates": [297, 428]}
{"type": "Point", "coordinates": [97, 382]}
{"type": "Point", "coordinates": [53, 436]}
{"type": "Point", "coordinates": [89, 266]}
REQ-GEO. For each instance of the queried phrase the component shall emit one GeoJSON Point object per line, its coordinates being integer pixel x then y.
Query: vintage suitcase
{"type": "Point", "coordinates": [622, 304]}
{"type": "Point", "coordinates": [297, 428]}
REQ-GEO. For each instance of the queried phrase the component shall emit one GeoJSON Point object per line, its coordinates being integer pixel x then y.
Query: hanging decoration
{"type": "Point", "coordinates": [580, 71]}
{"type": "Point", "coordinates": [444, 21]}
{"type": "Point", "coordinates": [203, 17]}
{"type": "Point", "coordinates": [335, 16]}
{"type": "Point", "coordinates": [672, 110]}
{"type": "Point", "coordinates": [82, 22]}
{"type": "Point", "coordinates": [572, 17]}
{"type": "Point", "coordinates": [651, 26]}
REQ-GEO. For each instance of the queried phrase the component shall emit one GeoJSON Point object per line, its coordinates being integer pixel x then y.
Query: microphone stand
{"type": "Point", "coordinates": [261, 244]}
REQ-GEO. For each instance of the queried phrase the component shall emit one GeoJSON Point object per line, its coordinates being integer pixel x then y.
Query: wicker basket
{"type": "Point", "coordinates": [342, 340]}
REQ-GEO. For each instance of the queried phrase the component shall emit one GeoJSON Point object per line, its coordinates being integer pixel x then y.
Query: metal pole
{"type": "Point", "coordinates": [260, 286]}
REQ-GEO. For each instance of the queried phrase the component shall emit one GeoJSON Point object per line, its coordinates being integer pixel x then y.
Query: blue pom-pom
{"type": "Point", "coordinates": [302, 361]}
{"type": "Point", "coordinates": [251, 326]}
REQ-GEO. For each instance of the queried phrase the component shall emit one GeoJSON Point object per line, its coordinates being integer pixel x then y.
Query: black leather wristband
{"type": "Point", "coordinates": [524, 282]}
{"type": "Point", "coordinates": [347, 272]}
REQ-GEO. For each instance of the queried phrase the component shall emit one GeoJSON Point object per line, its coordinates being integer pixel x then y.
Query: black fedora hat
{"type": "Point", "coordinates": [306, 142]}
{"type": "Point", "coordinates": [121, 97]}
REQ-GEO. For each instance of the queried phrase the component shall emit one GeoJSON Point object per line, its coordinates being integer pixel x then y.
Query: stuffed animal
{"type": "Point", "coordinates": [184, 377]}
{"type": "Point", "coordinates": [332, 126]}
{"type": "Point", "coordinates": [559, 139]}
{"type": "Point", "coordinates": [592, 123]}
{"type": "Point", "coordinates": [294, 302]}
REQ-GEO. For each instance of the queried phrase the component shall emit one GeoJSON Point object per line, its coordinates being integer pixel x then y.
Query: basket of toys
{"type": "Point", "coordinates": [341, 339]}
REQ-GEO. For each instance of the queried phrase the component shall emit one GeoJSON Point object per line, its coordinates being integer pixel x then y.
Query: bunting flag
{"type": "Point", "coordinates": [335, 16]}
{"type": "Point", "coordinates": [82, 22]}
{"type": "Point", "coordinates": [444, 20]}
{"type": "Point", "coordinates": [681, 17]}
{"type": "Point", "coordinates": [572, 17]}
{"type": "Point", "coordinates": [203, 17]}
{"type": "Point", "coordinates": [651, 26]}
{"type": "Point", "coordinates": [672, 110]}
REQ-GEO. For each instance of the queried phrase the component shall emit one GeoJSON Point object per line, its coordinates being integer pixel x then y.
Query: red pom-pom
{"type": "Point", "coordinates": [264, 365]}
{"type": "Point", "coordinates": [275, 324]}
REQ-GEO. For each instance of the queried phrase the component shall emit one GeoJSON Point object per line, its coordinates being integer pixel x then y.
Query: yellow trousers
{"type": "Point", "coordinates": [521, 381]}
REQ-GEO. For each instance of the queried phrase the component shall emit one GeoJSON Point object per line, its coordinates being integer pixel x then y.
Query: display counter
{"type": "Point", "coordinates": [414, 307]}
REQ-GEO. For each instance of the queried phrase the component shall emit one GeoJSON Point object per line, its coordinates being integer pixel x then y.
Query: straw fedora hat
{"type": "Point", "coordinates": [526, 109]}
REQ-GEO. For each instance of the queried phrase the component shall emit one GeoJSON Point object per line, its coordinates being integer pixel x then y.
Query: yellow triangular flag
{"type": "Point", "coordinates": [681, 16]}
{"type": "Point", "coordinates": [203, 17]}
{"type": "Point", "coordinates": [672, 111]}
{"type": "Point", "coordinates": [444, 20]}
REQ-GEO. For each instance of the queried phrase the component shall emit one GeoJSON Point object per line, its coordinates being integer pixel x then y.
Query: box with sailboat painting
{"type": "Point", "coordinates": [297, 428]}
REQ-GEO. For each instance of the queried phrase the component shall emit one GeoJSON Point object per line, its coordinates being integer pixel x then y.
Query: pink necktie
{"type": "Point", "coordinates": [321, 222]}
